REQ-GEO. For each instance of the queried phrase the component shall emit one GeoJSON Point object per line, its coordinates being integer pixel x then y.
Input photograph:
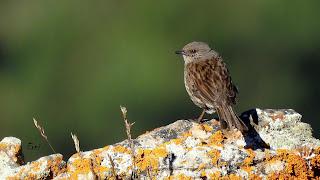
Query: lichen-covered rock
{"type": "Point", "coordinates": [278, 145]}
{"type": "Point", "coordinates": [11, 163]}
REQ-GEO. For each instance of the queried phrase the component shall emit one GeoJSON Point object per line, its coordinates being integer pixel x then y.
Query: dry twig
{"type": "Point", "coordinates": [42, 133]}
{"type": "Point", "coordinates": [128, 131]}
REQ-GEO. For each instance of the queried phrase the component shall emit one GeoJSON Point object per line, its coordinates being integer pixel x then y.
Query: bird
{"type": "Point", "coordinates": [209, 84]}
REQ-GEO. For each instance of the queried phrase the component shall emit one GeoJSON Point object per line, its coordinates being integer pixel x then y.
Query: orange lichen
{"type": "Point", "coordinates": [201, 166]}
{"type": "Point", "coordinates": [247, 162]}
{"type": "Point", "coordinates": [207, 127]}
{"type": "Point", "coordinates": [216, 139]}
{"type": "Point", "coordinates": [13, 150]}
{"type": "Point", "coordinates": [79, 166]}
{"type": "Point", "coordinates": [35, 166]}
{"type": "Point", "coordinates": [186, 134]}
{"type": "Point", "coordinates": [100, 169]}
{"type": "Point", "coordinates": [179, 177]}
{"type": "Point", "coordinates": [3, 146]}
{"type": "Point", "coordinates": [295, 167]}
{"type": "Point", "coordinates": [203, 174]}
{"type": "Point", "coordinates": [315, 163]}
{"type": "Point", "coordinates": [34, 169]}
{"type": "Point", "coordinates": [160, 152]}
{"type": "Point", "coordinates": [215, 175]}
{"type": "Point", "coordinates": [121, 149]}
{"type": "Point", "coordinates": [231, 177]}
{"type": "Point", "coordinates": [177, 141]}
{"type": "Point", "coordinates": [254, 177]}
{"type": "Point", "coordinates": [215, 155]}
{"type": "Point", "coordinates": [55, 166]}
{"type": "Point", "coordinates": [278, 115]}
{"type": "Point", "coordinates": [96, 164]}
{"type": "Point", "coordinates": [149, 158]}
{"type": "Point", "coordinates": [180, 140]}
{"type": "Point", "coordinates": [248, 169]}
{"type": "Point", "coordinates": [100, 150]}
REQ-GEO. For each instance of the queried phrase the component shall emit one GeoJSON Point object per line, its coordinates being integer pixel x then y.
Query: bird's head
{"type": "Point", "coordinates": [196, 51]}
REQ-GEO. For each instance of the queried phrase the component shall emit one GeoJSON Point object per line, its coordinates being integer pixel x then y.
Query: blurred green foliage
{"type": "Point", "coordinates": [70, 64]}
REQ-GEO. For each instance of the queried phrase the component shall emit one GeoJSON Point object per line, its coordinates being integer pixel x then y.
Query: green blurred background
{"type": "Point", "coordinates": [70, 64]}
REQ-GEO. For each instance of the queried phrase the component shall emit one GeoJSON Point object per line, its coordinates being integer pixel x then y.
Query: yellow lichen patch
{"type": "Point", "coordinates": [80, 166]}
{"type": "Point", "coordinates": [186, 134]}
{"type": "Point", "coordinates": [121, 149]}
{"type": "Point", "coordinates": [35, 166]}
{"type": "Point", "coordinates": [179, 177]}
{"type": "Point", "coordinates": [317, 150]}
{"type": "Point", "coordinates": [55, 166]}
{"type": "Point", "coordinates": [231, 177]}
{"type": "Point", "coordinates": [282, 152]}
{"type": "Point", "coordinates": [203, 173]}
{"type": "Point", "coordinates": [96, 165]}
{"type": "Point", "coordinates": [11, 149]}
{"type": "Point", "coordinates": [247, 162]}
{"type": "Point", "coordinates": [216, 139]}
{"type": "Point", "coordinates": [180, 140]}
{"type": "Point", "coordinates": [160, 152]}
{"type": "Point", "coordinates": [201, 166]}
{"type": "Point", "coordinates": [248, 169]}
{"type": "Point", "coordinates": [33, 170]}
{"type": "Point", "coordinates": [177, 141]}
{"type": "Point", "coordinates": [106, 148]}
{"type": "Point", "coordinates": [215, 155]}
{"type": "Point", "coordinates": [315, 162]}
{"type": "Point", "coordinates": [3, 146]}
{"type": "Point", "coordinates": [254, 177]}
{"type": "Point", "coordinates": [207, 127]}
{"type": "Point", "coordinates": [100, 169]}
{"type": "Point", "coordinates": [267, 155]}
{"type": "Point", "coordinates": [215, 175]}
{"type": "Point", "coordinates": [149, 158]}
{"type": "Point", "coordinates": [295, 168]}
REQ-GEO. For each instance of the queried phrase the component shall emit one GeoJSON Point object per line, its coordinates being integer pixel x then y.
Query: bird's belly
{"type": "Point", "coordinates": [196, 98]}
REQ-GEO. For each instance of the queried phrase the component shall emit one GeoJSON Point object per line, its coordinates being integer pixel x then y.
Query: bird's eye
{"type": "Point", "coordinates": [193, 51]}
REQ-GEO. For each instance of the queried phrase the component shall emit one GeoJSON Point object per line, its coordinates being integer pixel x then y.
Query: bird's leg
{"type": "Point", "coordinates": [201, 116]}
{"type": "Point", "coordinates": [223, 123]}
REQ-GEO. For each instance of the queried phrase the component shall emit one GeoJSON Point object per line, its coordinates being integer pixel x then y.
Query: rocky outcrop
{"type": "Point", "coordinates": [278, 145]}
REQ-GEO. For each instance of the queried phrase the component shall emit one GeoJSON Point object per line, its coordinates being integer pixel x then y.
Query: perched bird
{"type": "Point", "coordinates": [209, 85]}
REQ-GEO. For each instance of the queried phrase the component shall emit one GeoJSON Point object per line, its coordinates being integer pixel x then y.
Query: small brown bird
{"type": "Point", "coordinates": [209, 84]}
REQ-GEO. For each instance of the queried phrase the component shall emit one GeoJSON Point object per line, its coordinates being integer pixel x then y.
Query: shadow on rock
{"type": "Point", "coordinates": [252, 137]}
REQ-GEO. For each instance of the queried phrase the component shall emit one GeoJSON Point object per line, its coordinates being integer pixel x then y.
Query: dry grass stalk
{"type": "Point", "coordinates": [149, 173]}
{"type": "Point", "coordinates": [76, 142]}
{"type": "Point", "coordinates": [128, 131]}
{"type": "Point", "coordinates": [112, 167]}
{"type": "Point", "coordinates": [42, 133]}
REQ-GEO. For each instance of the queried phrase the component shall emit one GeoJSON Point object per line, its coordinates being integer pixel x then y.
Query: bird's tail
{"type": "Point", "coordinates": [226, 114]}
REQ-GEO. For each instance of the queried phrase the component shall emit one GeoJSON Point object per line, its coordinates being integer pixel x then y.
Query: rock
{"type": "Point", "coordinates": [278, 145]}
{"type": "Point", "coordinates": [11, 163]}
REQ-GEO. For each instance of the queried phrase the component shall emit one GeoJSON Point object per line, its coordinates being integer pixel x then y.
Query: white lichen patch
{"type": "Point", "coordinates": [276, 166]}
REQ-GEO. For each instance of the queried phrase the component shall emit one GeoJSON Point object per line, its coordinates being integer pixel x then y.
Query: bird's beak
{"type": "Point", "coordinates": [180, 52]}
